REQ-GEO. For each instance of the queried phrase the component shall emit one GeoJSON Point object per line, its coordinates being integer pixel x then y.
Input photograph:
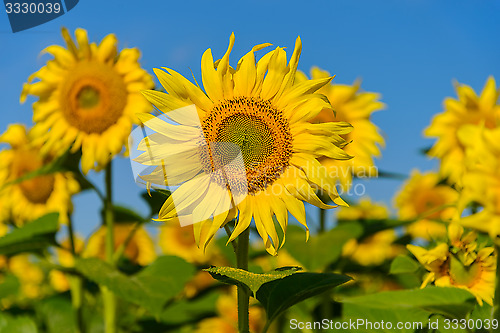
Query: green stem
{"type": "Point", "coordinates": [243, 296]}
{"type": "Point", "coordinates": [496, 307]}
{"type": "Point", "coordinates": [76, 284]}
{"type": "Point", "coordinates": [322, 218]}
{"type": "Point", "coordinates": [121, 249]}
{"type": "Point", "coordinates": [326, 308]}
{"type": "Point", "coordinates": [109, 299]}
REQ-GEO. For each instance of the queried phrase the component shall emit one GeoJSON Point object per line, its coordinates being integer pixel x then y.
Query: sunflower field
{"type": "Point", "coordinates": [255, 201]}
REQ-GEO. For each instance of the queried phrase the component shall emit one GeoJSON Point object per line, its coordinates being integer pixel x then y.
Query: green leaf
{"type": "Point", "coordinates": [192, 310]}
{"type": "Point", "coordinates": [125, 215]}
{"type": "Point", "coordinates": [391, 175]}
{"type": "Point", "coordinates": [9, 285]}
{"type": "Point", "coordinates": [321, 250]}
{"type": "Point", "coordinates": [409, 306]}
{"type": "Point", "coordinates": [57, 314]}
{"type": "Point", "coordinates": [64, 163]}
{"type": "Point", "coordinates": [249, 280]}
{"type": "Point", "coordinates": [403, 264]}
{"type": "Point", "coordinates": [155, 200]}
{"type": "Point", "coordinates": [32, 237]}
{"type": "Point", "coordinates": [277, 296]}
{"type": "Point", "coordinates": [151, 288]}
{"type": "Point", "coordinates": [17, 324]}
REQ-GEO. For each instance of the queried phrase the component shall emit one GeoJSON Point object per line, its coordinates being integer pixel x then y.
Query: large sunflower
{"type": "Point", "coordinates": [88, 97]}
{"type": "Point", "coordinates": [27, 200]}
{"type": "Point", "coordinates": [467, 109]}
{"type": "Point", "coordinates": [245, 148]}
{"type": "Point", "coordinates": [355, 107]}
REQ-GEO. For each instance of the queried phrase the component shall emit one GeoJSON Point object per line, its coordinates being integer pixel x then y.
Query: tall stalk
{"type": "Point", "coordinates": [496, 306]}
{"type": "Point", "coordinates": [109, 298]}
{"type": "Point", "coordinates": [243, 296]}
{"type": "Point", "coordinates": [76, 284]}
{"type": "Point", "coordinates": [326, 308]}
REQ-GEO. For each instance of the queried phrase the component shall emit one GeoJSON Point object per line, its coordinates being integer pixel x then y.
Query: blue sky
{"type": "Point", "coordinates": [409, 51]}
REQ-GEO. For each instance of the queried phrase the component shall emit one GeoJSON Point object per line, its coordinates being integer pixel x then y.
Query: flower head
{"type": "Point", "coordinates": [139, 250]}
{"type": "Point", "coordinates": [365, 209]}
{"type": "Point", "coordinates": [469, 108]}
{"type": "Point", "coordinates": [88, 97]}
{"type": "Point", "coordinates": [177, 240]}
{"type": "Point", "coordinates": [58, 279]}
{"type": "Point", "coordinates": [462, 264]}
{"type": "Point", "coordinates": [32, 198]}
{"type": "Point", "coordinates": [373, 250]}
{"type": "Point", "coordinates": [244, 147]}
{"type": "Point", "coordinates": [354, 106]}
{"type": "Point", "coordinates": [424, 198]}
{"type": "Point", "coordinates": [481, 179]}
{"type": "Point", "coordinates": [29, 274]}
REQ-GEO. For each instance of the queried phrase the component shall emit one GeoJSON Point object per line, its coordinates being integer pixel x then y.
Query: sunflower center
{"type": "Point", "coordinates": [36, 190]}
{"type": "Point", "coordinates": [253, 128]}
{"type": "Point", "coordinates": [93, 97]}
{"type": "Point", "coordinates": [88, 97]}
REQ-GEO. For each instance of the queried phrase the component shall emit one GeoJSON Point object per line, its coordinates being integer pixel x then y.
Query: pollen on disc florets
{"type": "Point", "coordinates": [253, 128]}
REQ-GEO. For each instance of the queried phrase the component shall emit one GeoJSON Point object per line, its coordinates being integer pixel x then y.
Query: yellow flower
{"type": "Point", "coordinates": [365, 209]}
{"type": "Point", "coordinates": [35, 197]}
{"type": "Point", "coordinates": [485, 221]}
{"type": "Point", "coordinates": [227, 320]}
{"type": "Point", "coordinates": [88, 97]}
{"type": "Point", "coordinates": [373, 250]}
{"type": "Point", "coordinates": [201, 281]}
{"type": "Point", "coordinates": [140, 250]}
{"type": "Point", "coordinates": [246, 147]}
{"type": "Point", "coordinates": [463, 265]}
{"type": "Point", "coordinates": [177, 240]}
{"type": "Point", "coordinates": [467, 109]}
{"type": "Point", "coordinates": [29, 275]}
{"type": "Point", "coordinates": [481, 179]}
{"type": "Point", "coordinates": [58, 279]}
{"type": "Point", "coordinates": [355, 107]}
{"type": "Point", "coordinates": [422, 197]}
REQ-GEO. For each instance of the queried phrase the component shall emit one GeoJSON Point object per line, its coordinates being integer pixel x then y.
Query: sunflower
{"type": "Point", "coordinates": [373, 250]}
{"type": "Point", "coordinates": [88, 97]}
{"type": "Point", "coordinates": [178, 240]}
{"type": "Point", "coordinates": [377, 248]}
{"type": "Point", "coordinates": [140, 250]}
{"type": "Point", "coordinates": [481, 179]}
{"type": "Point", "coordinates": [424, 198]}
{"type": "Point", "coordinates": [462, 264]}
{"type": "Point", "coordinates": [467, 109]}
{"type": "Point", "coordinates": [58, 279]}
{"type": "Point", "coordinates": [32, 198]}
{"type": "Point", "coordinates": [244, 148]}
{"type": "Point", "coordinates": [30, 275]}
{"type": "Point", "coordinates": [365, 209]}
{"type": "Point", "coordinates": [355, 107]}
